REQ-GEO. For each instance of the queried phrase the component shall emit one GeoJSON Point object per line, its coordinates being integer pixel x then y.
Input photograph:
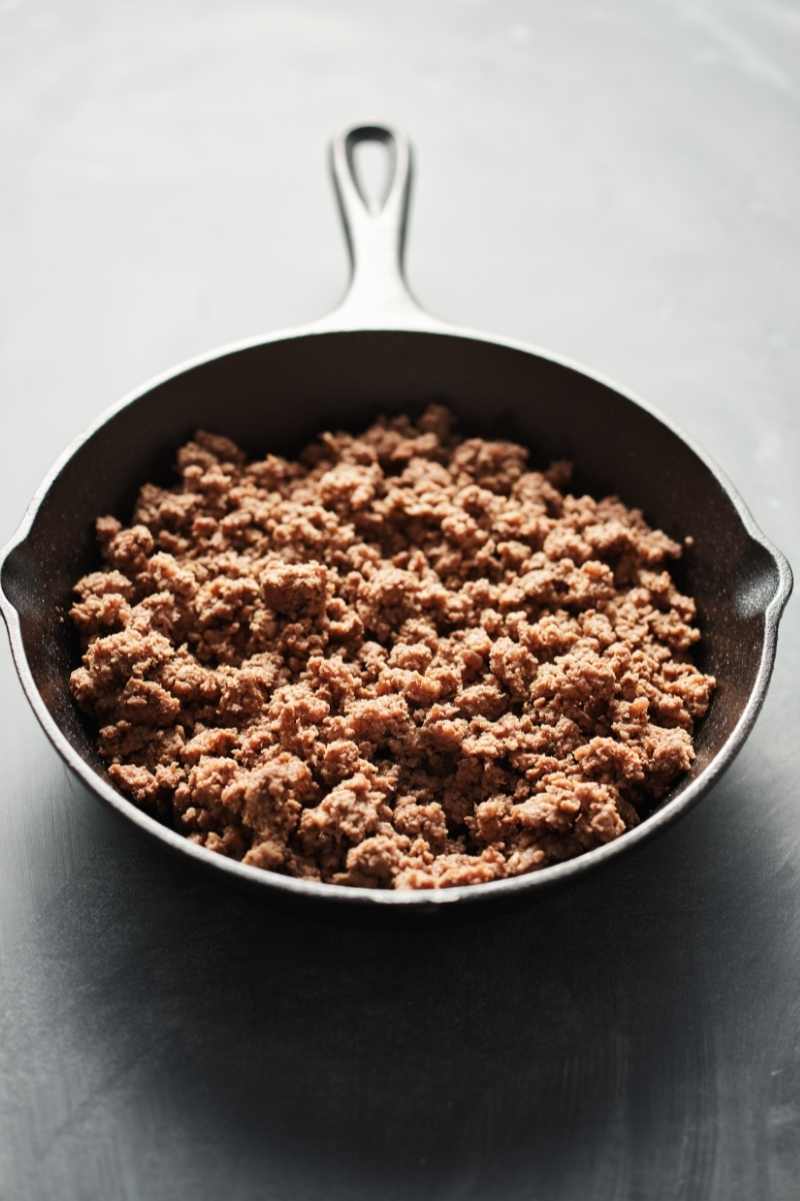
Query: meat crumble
{"type": "Point", "coordinates": [403, 660]}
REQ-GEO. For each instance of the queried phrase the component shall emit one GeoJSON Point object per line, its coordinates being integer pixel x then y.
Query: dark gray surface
{"type": "Point", "coordinates": [616, 181]}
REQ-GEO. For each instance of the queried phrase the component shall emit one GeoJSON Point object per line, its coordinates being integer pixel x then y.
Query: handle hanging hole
{"type": "Point", "coordinates": [372, 160]}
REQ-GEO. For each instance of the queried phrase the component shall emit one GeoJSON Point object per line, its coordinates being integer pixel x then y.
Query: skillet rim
{"type": "Point", "coordinates": [411, 899]}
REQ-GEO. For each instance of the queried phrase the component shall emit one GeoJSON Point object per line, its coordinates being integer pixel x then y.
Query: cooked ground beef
{"type": "Point", "coordinates": [403, 660]}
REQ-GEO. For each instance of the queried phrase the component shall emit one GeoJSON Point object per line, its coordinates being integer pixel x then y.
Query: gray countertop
{"type": "Point", "coordinates": [616, 181]}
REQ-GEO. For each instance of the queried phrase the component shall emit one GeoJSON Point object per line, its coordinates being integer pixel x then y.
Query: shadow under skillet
{"type": "Point", "coordinates": [525, 1052]}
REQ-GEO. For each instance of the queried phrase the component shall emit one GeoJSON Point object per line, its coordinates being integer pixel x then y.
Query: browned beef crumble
{"type": "Point", "coordinates": [403, 660]}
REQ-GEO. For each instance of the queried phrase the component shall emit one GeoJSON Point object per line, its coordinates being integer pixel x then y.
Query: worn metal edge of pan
{"type": "Point", "coordinates": [409, 319]}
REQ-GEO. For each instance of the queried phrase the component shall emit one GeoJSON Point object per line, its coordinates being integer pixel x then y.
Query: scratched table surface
{"type": "Point", "coordinates": [616, 181]}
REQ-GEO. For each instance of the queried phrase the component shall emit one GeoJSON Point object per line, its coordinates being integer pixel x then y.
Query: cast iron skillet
{"type": "Point", "coordinates": [379, 352]}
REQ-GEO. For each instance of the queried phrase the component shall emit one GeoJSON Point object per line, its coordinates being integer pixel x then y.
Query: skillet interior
{"type": "Point", "coordinates": [277, 395]}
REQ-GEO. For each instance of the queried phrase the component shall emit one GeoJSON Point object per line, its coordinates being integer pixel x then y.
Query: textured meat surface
{"type": "Point", "coordinates": [403, 660]}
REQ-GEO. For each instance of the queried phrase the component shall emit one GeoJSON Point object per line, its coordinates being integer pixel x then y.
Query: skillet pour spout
{"type": "Point", "coordinates": [379, 352]}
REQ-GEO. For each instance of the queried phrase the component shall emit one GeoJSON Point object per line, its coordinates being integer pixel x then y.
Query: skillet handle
{"type": "Point", "coordinates": [378, 295]}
